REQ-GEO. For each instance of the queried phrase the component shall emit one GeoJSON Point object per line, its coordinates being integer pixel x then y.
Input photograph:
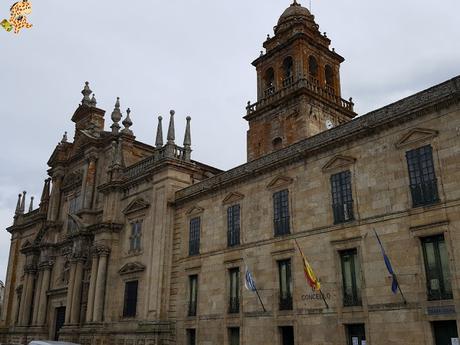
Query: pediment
{"type": "Point", "coordinates": [338, 162]}
{"type": "Point", "coordinates": [280, 181]}
{"type": "Point", "coordinates": [416, 135]}
{"type": "Point", "coordinates": [195, 210]}
{"type": "Point", "coordinates": [26, 244]}
{"type": "Point", "coordinates": [232, 197]}
{"type": "Point", "coordinates": [132, 267]}
{"type": "Point", "coordinates": [136, 205]}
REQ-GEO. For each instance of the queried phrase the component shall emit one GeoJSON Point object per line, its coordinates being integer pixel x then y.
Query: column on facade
{"type": "Point", "coordinates": [76, 293]}
{"type": "Point", "coordinates": [22, 300]}
{"type": "Point", "coordinates": [41, 314]}
{"type": "Point", "coordinates": [92, 288]}
{"type": "Point", "coordinates": [38, 285]}
{"type": "Point", "coordinates": [100, 285]}
{"type": "Point", "coordinates": [89, 182]}
{"type": "Point", "coordinates": [70, 293]}
{"type": "Point", "coordinates": [53, 210]}
{"type": "Point", "coordinates": [28, 297]}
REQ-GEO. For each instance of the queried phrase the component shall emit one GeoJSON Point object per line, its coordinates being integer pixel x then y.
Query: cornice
{"type": "Point", "coordinates": [431, 100]}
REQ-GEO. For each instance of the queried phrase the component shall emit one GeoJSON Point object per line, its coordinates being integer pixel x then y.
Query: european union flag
{"type": "Point", "coordinates": [394, 284]}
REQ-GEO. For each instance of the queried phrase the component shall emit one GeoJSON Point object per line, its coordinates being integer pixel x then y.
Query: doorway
{"type": "Point", "coordinates": [444, 332]}
{"type": "Point", "coordinates": [60, 319]}
{"type": "Point", "coordinates": [356, 334]}
{"type": "Point", "coordinates": [287, 335]}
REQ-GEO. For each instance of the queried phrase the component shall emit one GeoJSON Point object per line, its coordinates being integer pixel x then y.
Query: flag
{"type": "Point", "coordinates": [394, 284]}
{"type": "Point", "coordinates": [249, 282]}
{"type": "Point", "coordinates": [309, 274]}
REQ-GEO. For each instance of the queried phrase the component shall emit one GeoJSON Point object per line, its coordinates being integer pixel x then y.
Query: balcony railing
{"type": "Point", "coordinates": [281, 226]}
{"type": "Point", "coordinates": [192, 308]}
{"type": "Point", "coordinates": [288, 81]}
{"type": "Point", "coordinates": [234, 305]}
{"type": "Point", "coordinates": [343, 212]}
{"type": "Point", "coordinates": [351, 300]}
{"type": "Point", "coordinates": [424, 193]}
{"type": "Point", "coordinates": [286, 302]}
{"type": "Point", "coordinates": [304, 82]}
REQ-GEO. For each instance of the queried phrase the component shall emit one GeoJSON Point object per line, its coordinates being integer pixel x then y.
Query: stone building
{"type": "Point", "coordinates": [134, 244]}
{"type": "Point", "coordinates": [2, 296]}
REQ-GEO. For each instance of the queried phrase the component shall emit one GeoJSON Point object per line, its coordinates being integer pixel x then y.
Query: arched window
{"type": "Point", "coordinates": [269, 82]}
{"type": "Point", "coordinates": [329, 75]}
{"type": "Point", "coordinates": [277, 143]}
{"type": "Point", "coordinates": [288, 71]}
{"type": "Point", "coordinates": [313, 66]}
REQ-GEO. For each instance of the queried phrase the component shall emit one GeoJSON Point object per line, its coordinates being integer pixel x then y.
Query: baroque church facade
{"type": "Point", "coordinates": [133, 244]}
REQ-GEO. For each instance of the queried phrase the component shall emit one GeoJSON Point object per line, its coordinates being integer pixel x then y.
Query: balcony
{"type": "Point", "coordinates": [286, 302]}
{"type": "Point", "coordinates": [351, 300]}
{"type": "Point", "coordinates": [291, 84]}
{"type": "Point", "coordinates": [425, 193]}
{"type": "Point", "coordinates": [234, 305]}
{"type": "Point", "coordinates": [192, 308]}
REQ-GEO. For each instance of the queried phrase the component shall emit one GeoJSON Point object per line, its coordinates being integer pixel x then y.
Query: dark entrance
{"type": "Point", "coordinates": [356, 334]}
{"type": "Point", "coordinates": [444, 331]}
{"type": "Point", "coordinates": [60, 319]}
{"type": "Point", "coordinates": [287, 335]}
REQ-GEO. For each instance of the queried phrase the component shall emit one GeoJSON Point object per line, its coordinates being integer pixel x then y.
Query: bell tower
{"type": "Point", "coordinates": [298, 86]}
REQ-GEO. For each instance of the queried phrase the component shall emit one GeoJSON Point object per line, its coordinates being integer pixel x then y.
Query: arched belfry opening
{"type": "Point", "coordinates": [269, 80]}
{"type": "Point", "coordinates": [313, 68]}
{"type": "Point", "coordinates": [288, 71]}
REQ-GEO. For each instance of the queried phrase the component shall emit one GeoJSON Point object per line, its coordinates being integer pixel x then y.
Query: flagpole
{"type": "Point", "coordinates": [255, 288]}
{"type": "Point", "coordinates": [394, 274]}
{"type": "Point", "coordinates": [321, 292]}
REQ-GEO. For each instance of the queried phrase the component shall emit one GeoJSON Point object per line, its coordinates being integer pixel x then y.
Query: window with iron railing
{"type": "Point", "coordinates": [234, 301]}
{"type": "Point", "coordinates": [194, 236]}
{"type": "Point", "coordinates": [285, 280]}
{"type": "Point", "coordinates": [233, 225]}
{"type": "Point", "coordinates": [342, 200]}
{"type": "Point", "coordinates": [281, 218]}
{"type": "Point", "coordinates": [423, 182]}
{"type": "Point", "coordinates": [193, 295]}
{"type": "Point", "coordinates": [351, 278]}
{"type": "Point", "coordinates": [438, 277]}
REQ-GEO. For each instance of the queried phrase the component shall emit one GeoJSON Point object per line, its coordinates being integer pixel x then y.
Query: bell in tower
{"type": "Point", "coordinates": [298, 86]}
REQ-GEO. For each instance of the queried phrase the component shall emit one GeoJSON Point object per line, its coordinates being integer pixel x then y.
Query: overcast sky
{"type": "Point", "coordinates": [195, 57]}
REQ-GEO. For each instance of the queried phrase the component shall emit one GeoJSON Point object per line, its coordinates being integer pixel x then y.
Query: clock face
{"type": "Point", "coordinates": [329, 124]}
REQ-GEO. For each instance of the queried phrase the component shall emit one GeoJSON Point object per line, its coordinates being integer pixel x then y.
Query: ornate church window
{"type": "Point", "coordinates": [313, 68]}
{"type": "Point", "coordinates": [269, 82]}
{"type": "Point", "coordinates": [288, 71]}
{"type": "Point", "coordinates": [329, 76]}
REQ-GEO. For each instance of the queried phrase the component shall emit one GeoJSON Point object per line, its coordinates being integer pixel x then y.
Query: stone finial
{"type": "Point", "coordinates": [31, 205]}
{"type": "Point", "coordinates": [93, 101]}
{"type": "Point", "coordinates": [23, 202]}
{"type": "Point", "coordinates": [64, 138]}
{"type": "Point", "coordinates": [268, 37]}
{"type": "Point", "coordinates": [86, 92]}
{"type": "Point", "coordinates": [116, 117]}
{"type": "Point", "coordinates": [187, 136]}
{"type": "Point", "coordinates": [18, 205]}
{"type": "Point", "coordinates": [127, 123]}
{"type": "Point", "coordinates": [171, 132]}
{"type": "Point", "coordinates": [159, 138]}
{"type": "Point", "coordinates": [295, 3]}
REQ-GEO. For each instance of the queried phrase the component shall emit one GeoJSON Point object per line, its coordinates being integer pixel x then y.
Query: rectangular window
{"type": "Point", "coordinates": [438, 278]}
{"type": "Point", "coordinates": [285, 279]}
{"type": "Point", "coordinates": [234, 302]}
{"type": "Point", "coordinates": [281, 212]}
{"type": "Point", "coordinates": [194, 236]}
{"type": "Point", "coordinates": [193, 295]}
{"type": "Point", "coordinates": [351, 277]}
{"type": "Point", "coordinates": [234, 336]}
{"type": "Point", "coordinates": [423, 182]}
{"type": "Point", "coordinates": [135, 238]}
{"type": "Point", "coordinates": [191, 336]}
{"type": "Point", "coordinates": [130, 305]}
{"type": "Point", "coordinates": [287, 335]}
{"type": "Point", "coordinates": [342, 200]}
{"type": "Point", "coordinates": [356, 334]}
{"type": "Point", "coordinates": [233, 225]}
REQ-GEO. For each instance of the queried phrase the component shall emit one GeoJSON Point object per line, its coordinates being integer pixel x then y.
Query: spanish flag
{"type": "Point", "coordinates": [309, 274]}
